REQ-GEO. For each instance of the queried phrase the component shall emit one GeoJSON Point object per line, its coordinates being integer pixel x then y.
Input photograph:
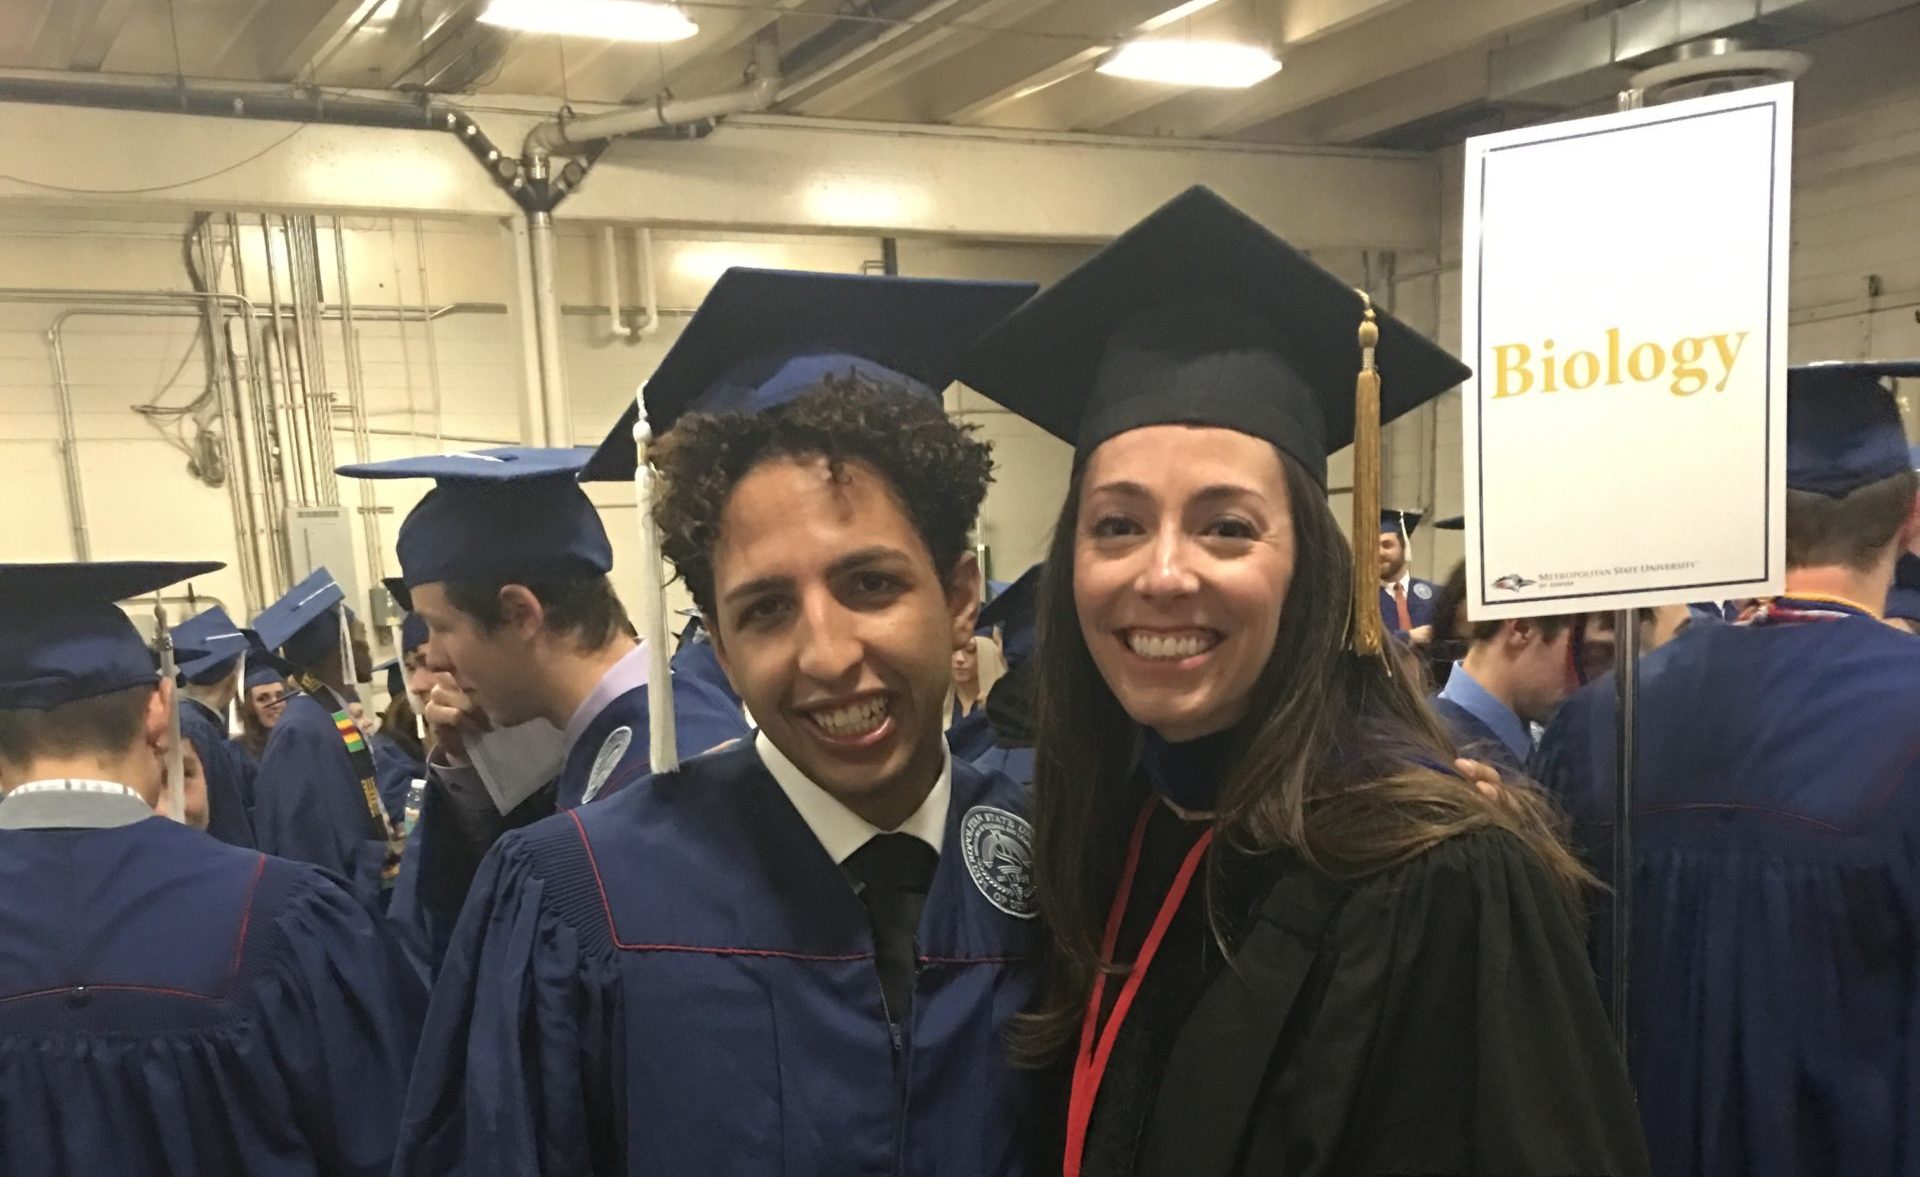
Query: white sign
{"type": "Point", "coordinates": [1625, 313]}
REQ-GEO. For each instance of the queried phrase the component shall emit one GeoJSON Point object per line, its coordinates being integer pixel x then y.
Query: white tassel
{"type": "Point", "coordinates": [663, 753]}
{"type": "Point", "coordinates": [169, 674]}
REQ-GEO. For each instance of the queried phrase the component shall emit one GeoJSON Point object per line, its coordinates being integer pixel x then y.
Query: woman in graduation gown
{"type": "Point", "coordinates": [1287, 939]}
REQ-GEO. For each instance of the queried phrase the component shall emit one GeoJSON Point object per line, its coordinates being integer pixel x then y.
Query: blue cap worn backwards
{"type": "Point", "coordinates": [62, 638]}
{"type": "Point", "coordinates": [218, 642]}
{"type": "Point", "coordinates": [1843, 427]}
{"type": "Point", "coordinates": [763, 337]}
{"type": "Point", "coordinates": [514, 513]}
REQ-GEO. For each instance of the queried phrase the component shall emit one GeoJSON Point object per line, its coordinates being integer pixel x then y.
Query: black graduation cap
{"type": "Point", "coordinates": [62, 638]}
{"type": "Point", "coordinates": [1843, 427]}
{"type": "Point", "coordinates": [1199, 315]}
{"type": "Point", "coordinates": [1451, 523]}
{"type": "Point", "coordinates": [1012, 610]}
{"type": "Point", "coordinates": [762, 337]}
{"type": "Point", "coordinates": [1400, 523]}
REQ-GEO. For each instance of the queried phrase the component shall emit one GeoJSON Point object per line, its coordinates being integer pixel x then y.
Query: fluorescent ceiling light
{"type": "Point", "coordinates": [608, 20]}
{"type": "Point", "coordinates": [1224, 65]}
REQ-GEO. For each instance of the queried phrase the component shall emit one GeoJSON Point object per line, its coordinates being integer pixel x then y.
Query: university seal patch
{"type": "Point", "coordinates": [998, 847]}
{"type": "Point", "coordinates": [610, 754]}
{"type": "Point", "coordinates": [1422, 591]}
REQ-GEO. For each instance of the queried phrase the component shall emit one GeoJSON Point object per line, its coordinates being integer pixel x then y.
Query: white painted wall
{"type": "Point", "coordinates": [1856, 219]}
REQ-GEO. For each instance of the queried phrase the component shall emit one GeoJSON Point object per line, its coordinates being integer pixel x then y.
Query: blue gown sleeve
{"type": "Point", "coordinates": [521, 1057]}
{"type": "Point", "coordinates": [311, 806]}
{"type": "Point", "coordinates": [227, 816]}
{"type": "Point", "coordinates": [341, 1018]}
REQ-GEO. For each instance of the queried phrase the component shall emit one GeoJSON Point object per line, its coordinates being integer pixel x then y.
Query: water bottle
{"type": "Point", "coordinates": [416, 798]}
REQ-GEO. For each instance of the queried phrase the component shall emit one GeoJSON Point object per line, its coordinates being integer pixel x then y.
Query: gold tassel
{"type": "Point", "coordinates": [1367, 635]}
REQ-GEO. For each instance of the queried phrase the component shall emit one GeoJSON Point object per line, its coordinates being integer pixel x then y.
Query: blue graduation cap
{"type": "Point", "coordinates": [262, 674]}
{"type": "Point", "coordinates": [304, 625]}
{"type": "Point", "coordinates": [1013, 611]}
{"type": "Point", "coordinates": [218, 644]}
{"type": "Point", "coordinates": [1843, 427]}
{"type": "Point", "coordinates": [510, 513]}
{"type": "Point", "coordinates": [1400, 523]}
{"type": "Point", "coordinates": [763, 337]}
{"type": "Point", "coordinates": [62, 638]}
{"type": "Point", "coordinates": [1904, 601]}
{"type": "Point", "coordinates": [1451, 523]}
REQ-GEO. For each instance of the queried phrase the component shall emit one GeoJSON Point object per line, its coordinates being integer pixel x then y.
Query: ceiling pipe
{"type": "Point", "coordinates": [565, 134]}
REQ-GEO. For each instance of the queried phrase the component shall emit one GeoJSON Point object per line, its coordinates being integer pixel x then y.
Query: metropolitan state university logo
{"type": "Point", "coordinates": [998, 847]}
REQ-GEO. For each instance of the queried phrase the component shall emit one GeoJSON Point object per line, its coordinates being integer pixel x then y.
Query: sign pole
{"type": "Point", "coordinates": [1626, 684]}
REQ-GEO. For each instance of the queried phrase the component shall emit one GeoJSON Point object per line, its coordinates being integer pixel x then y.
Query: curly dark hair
{"type": "Point", "coordinates": [938, 470]}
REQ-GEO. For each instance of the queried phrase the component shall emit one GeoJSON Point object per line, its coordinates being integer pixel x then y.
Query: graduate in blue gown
{"type": "Point", "coordinates": [208, 684]}
{"type": "Point", "coordinates": [398, 756]}
{"type": "Point", "coordinates": [1774, 1007]}
{"type": "Point", "coordinates": [1406, 601]}
{"type": "Point", "coordinates": [693, 658]}
{"type": "Point", "coordinates": [1008, 618]}
{"type": "Point", "coordinates": [169, 1004]}
{"type": "Point", "coordinates": [733, 967]}
{"type": "Point", "coordinates": [318, 791]}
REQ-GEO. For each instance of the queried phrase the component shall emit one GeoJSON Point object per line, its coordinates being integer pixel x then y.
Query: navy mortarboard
{"type": "Point", "coordinates": [1451, 523]}
{"type": "Point", "coordinates": [221, 643]}
{"type": "Point", "coordinates": [511, 513]}
{"type": "Point", "coordinates": [1843, 427]}
{"type": "Point", "coordinates": [1199, 315]}
{"type": "Point", "coordinates": [62, 638]}
{"type": "Point", "coordinates": [1011, 611]}
{"type": "Point", "coordinates": [291, 626]}
{"type": "Point", "coordinates": [1400, 523]}
{"type": "Point", "coordinates": [762, 337]}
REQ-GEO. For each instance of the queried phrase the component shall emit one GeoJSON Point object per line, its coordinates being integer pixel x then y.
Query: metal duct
{"type": "Point", "coordinates": [1594, 60]}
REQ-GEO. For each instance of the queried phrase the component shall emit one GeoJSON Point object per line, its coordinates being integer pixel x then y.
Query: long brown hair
{"type": "Point", "coordinates": [1335, 762]}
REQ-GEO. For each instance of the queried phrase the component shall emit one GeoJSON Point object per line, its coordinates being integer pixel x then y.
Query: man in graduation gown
{"type": "Point", "coordinates": [1515, 674]}
{"type": "Point", "coordinates": [209, 684]}
{"type": "Point", "coordinates": [799, 954]}
{"type": "Point", "coordinates": [1774, 1009]}
{"type": "Point", "coordinates": [1008, 714]}
{"type": "Point", "coordinates": [169, 1004]}
{"type": "Point", "coordinates": [399, 760]}
{"type": "Point", "coordinates": [318, 786]}
{"type": "Point", "coordinates": [1406, 601]}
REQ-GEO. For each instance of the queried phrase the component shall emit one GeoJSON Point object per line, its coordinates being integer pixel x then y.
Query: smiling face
{"type": "Point", "coordinates": [835, 628]}
{"type": "Point", "coordinates": [269, 701]}
{"type": "Point", "coordinates": [1183, 553]}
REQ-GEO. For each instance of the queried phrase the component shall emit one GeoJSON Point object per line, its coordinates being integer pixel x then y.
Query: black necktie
{"type": "Point", "coordinates": [892, 873]}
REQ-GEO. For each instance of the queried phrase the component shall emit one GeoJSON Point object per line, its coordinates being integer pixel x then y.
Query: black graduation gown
{"type": "Point", "coordinates": [1439, 1017]}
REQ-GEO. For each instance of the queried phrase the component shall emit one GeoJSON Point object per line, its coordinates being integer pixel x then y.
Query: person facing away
{"type": "Point", "coordinates": [1285, 937]}
{"type": "Point", "coordinates": [169, 1003]}
{"type": "Point", "coordinates": [1771, 1010]}
{"type": "Point", "coordinates": [798, 954]}
{"type": "Point", "coordinates": [1513, 677]}
{"type": "Point", "coordinates": [505, 560]}
{"type": "Point", "coordinates": [263, 699]}
{"type": "Point", "coordinates": [317, 791]}
{"type": "Point", "coordinates": [1406, 601]}
{"type": "Point", "coordinates": [209, 683]}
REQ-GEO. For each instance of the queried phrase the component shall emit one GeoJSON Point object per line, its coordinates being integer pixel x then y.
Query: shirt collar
{"type": "Point", "coordinates": [1405, 582]}
{"type": "Point", "coordinates": [1465, 691]}
{"type": "Point", "coordinates": [72, 805]}
{"type": "Point", "coordinates": [628, 674]}
{"type": "Point", "coordinates": [840, 830]}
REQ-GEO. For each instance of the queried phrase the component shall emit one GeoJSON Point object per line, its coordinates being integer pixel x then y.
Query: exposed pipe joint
{"type": "Point", "coordinates": [565, 134]}
{"type": "Point", "coordinates": [610, 255]}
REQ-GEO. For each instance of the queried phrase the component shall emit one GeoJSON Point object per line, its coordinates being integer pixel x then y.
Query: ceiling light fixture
{"type": "Point", "coordinates": [1174, 61]}
{"type": "Point", "coordinates": [606, 20]}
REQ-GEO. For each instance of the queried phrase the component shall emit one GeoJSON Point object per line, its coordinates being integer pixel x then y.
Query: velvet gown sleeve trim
{"type": "Point", "coordinates": [1439, 1018]}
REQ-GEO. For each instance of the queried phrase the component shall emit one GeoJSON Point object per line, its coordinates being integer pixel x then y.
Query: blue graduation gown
{"type": "Point", "coordinates": [172, 1005]}
{"type": "Point", "coordinates": [697, 660]}
{"type": "Point", "coordinates": [1474, 738]}
{"type": "Point", "coordinates": [223, 768]}
{"type": "Point", "coordinates": [1419, 605]}
{"type": "Point", "coordinates": [1016, 764]}
{"type": "Point", "coordinates": [681, 980]}
{"type": "Point", "coordinates": [971, 736]}
{"type": "Point", "coordinates": [311, 805]}
{"type": "Point", "coordinates": [603, 761]}
{"type": "Point", "coordinates": [1775, 999]}
{"type": "Point", "coordinates": [396, 771]}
